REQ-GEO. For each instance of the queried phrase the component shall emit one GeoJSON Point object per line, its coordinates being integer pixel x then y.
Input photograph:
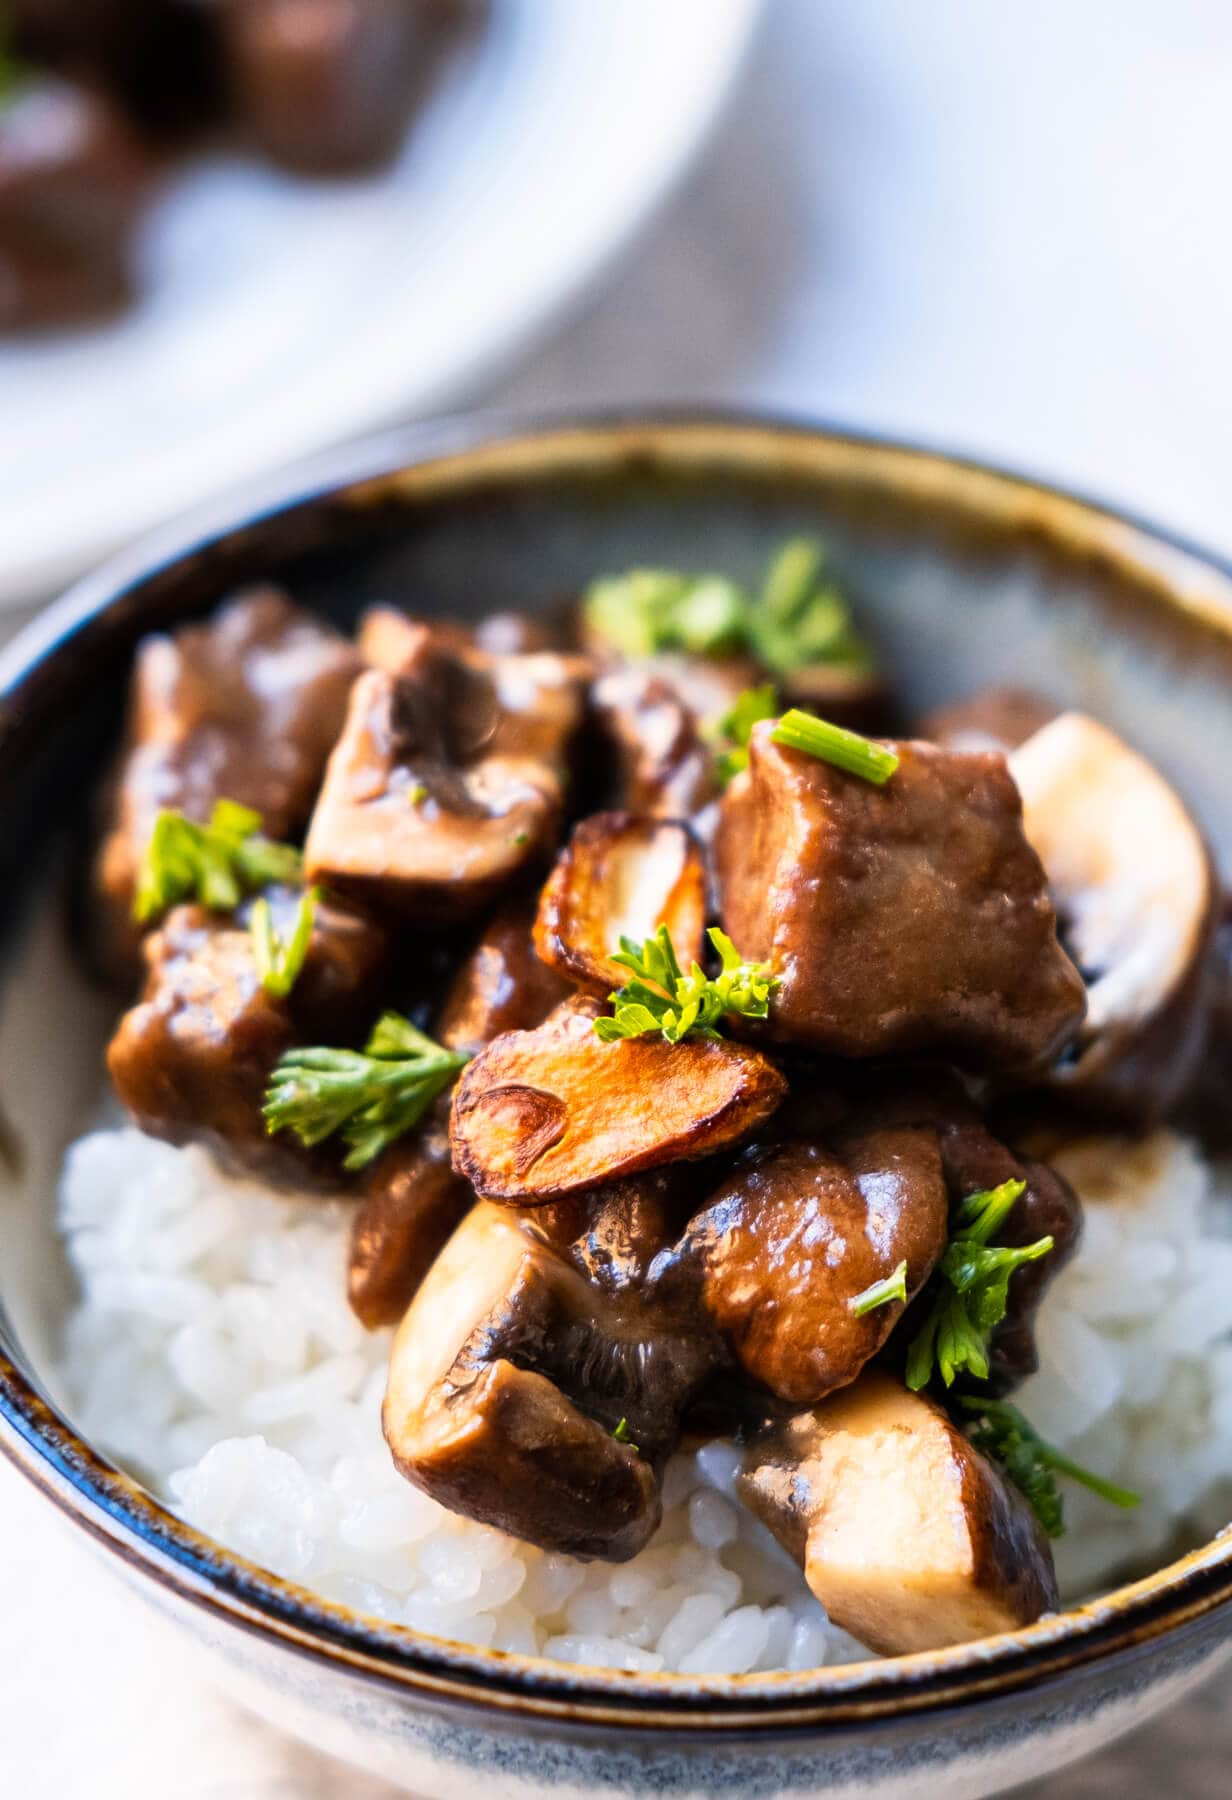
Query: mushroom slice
{"type": "Point", "coordinates": [619, 876]}
{"type": "Point", "coordinates": [910, 917]}
{"type": "Point", "coordinates": [411, 1206]}
{"type": "Point", "coordinates": [665, 769]}
{"type": "Point", "coordinates": [909, 1537]}
{"type": "Point", "coordinates": [540, 1114]}
{"type": "Point", "coordinates": [448, 779]}
{"type": "Point", "coordinates": [1133, 882]}
{"type": "Point", "coordinates": [509, 1375]}
{"type": "Point", "coordinates": [787, 1246]}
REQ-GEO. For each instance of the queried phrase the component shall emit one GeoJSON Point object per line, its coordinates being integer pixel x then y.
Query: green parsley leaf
{"type": "Point", "coordinates": [881, 1293]}
{"type": "Point", "coordinates": [736, 728]}
{"type": "Point", "coordinates": [796, 621]}
{"type": "Point", "coordinates": [972, 1291]}
{"type": "Point", "coordinates": [216, 864]}
{"type": "Point", "coordinates": [279, 962]}
{"type": "Point", "coordinates": [621, 1434]}
{"type": "Point", "coordinates": [800, 621]}
{"type": "Point", "coordinates": [371, 1097]}
{"type": "Point", "coordinates": [1001, 1432]}
{"type": "Point", "coordinates": [662, 998]}
{"type": "Point", "coordinates": [847, 750]}
{"type": "Point", "coordinates": [652, 610]}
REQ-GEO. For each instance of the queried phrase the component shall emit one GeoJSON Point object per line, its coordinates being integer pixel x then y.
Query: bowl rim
{"type": "Point", "coordinates": [449, 455]}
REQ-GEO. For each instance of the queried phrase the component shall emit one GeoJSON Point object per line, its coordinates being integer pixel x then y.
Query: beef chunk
{"type": "Point", "coordinates": [905, 918]}
{"type": "Point", "coordinates": [245, 707]}
{"type": "Point", "coordinates": [159, 59]}
{"type": "Point", "coordinates": [325, 86]}
{"type": "Point", "coordinates": [500, 986]}
{"type": "Point", "coordinates": [74, 182]}
{"type": "Point", "coordinates": [448, 781]}
{"type": "Point", "coordinates": [192, 1060]}
{"type": "Point", "coordinates": [412, 1203]}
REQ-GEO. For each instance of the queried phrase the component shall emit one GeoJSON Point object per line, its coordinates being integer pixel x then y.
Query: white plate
{"type": "Point", "coordinates": [282, 315]}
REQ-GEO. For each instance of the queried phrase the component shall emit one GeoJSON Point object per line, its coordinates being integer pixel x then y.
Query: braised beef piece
{"type": "Point", "coordinates": [501, 985]}
{"type": "Point", "coordinates": [74, 182]}
{"type": "Point", "coordinates": [912, 917]}
{"type": "Point", "coordinates": [995, 718]}
{"type": "Point", "coordinates": [325, 86]}
{"type": "Point", "coordinates": [245, 707]}
{"type": "Point", "coordinates": [448, 782]}
{"type": "Point", "coordinates": [412, 1204]}
{"type": "Point", "coordinates": [192, 1060]}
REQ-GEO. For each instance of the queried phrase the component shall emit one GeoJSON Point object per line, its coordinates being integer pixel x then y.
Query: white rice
{"type": "Point", "coordinates": [213, 1352]}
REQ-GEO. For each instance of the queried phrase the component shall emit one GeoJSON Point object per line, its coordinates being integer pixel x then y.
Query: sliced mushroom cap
{"type": "Point", "coordinates": [910, 917]}
{"type": "Point", "coordinates": [789, 1243]}
{"type": "Point", "coordinates": [1133, 882]}
{"type": "Point", "coordinates": [447, 782]}
{"type": "Point", "coordinates": [501, 985]}
{"type": "Point", "coordinates": [412, 1203]}
{"type": "Point", "coordinates": [909, 1537]}
{"type": "Point", "coordinates": [665, 769]}
{"type": "Point", "coordinates": [620, 876]}
{"type": "Point", "coordinates": [509, 1376]}
{"type": "Point", "coordinates": [541, 1114]}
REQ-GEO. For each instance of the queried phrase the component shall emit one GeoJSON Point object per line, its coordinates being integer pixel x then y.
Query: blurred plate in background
{"type": "Point", "coordinates": [281, 315]}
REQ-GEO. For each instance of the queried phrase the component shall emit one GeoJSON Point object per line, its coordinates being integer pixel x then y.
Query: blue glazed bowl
{"type": "Point", "coordinates": [964, 575]}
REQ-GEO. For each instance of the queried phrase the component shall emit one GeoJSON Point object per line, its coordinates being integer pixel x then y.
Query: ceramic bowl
{"type": "Point", "coordinates": [962, 575]}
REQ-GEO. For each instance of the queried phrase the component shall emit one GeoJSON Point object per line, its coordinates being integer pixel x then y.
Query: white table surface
{"type": "Point", "coordinates": [1004, 228]}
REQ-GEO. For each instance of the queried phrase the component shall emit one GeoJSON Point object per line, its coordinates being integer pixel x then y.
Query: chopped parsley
{"type": "Point", "coordinates": [279, 960]}
{"type": "Point", "coordinates": [661, 998]}
{"type": "Point", "coordinates": [972, 1291]}
{"type": "Point", "coordinates": [847, 750]}
{"type": "Point", "coordinates": [882, 1293]}
{"type": "Point", "coordinates": [795, 622]}
{"type": "Point", "coordinates": [370, 1097]}
{"type": "Point", "coordinates": [1002, 1433]}
{"type": "Point", "coordinates": [216, 863]}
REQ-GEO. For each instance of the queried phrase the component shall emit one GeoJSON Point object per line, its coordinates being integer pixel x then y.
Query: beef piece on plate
{"type": "Point", "coordinates": [325, 86]}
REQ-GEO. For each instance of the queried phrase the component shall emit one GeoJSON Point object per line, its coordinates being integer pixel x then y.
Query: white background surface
{"type": "Point", "coordinates": [1005, 227]}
